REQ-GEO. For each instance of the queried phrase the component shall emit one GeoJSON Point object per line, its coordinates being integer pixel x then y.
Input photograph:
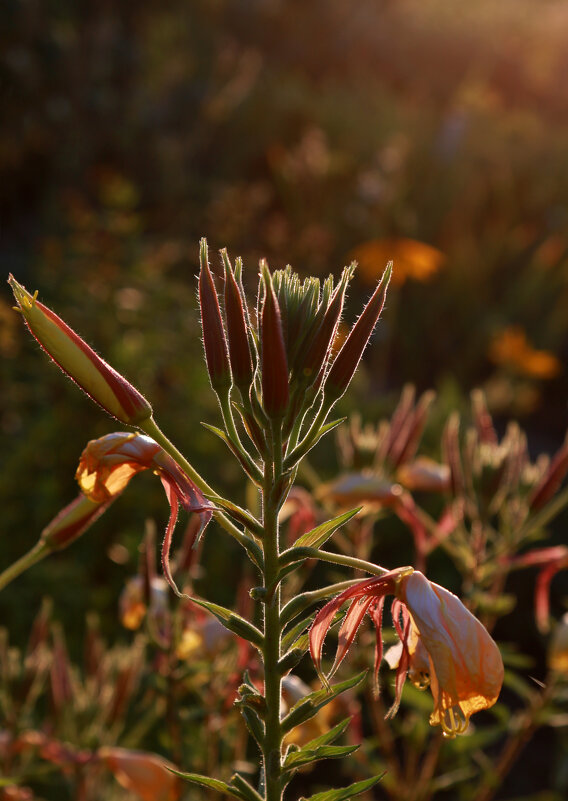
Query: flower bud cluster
{"type": "Point", "coordinates": [285, 362]}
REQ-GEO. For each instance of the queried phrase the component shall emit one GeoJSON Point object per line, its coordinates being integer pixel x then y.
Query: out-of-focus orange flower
{"type": "Point", "coordinates": [145, 774]}
{"type": "Point", "coordinates": [411, 259]}
{"type": "Point", "coordinates": [443, 644]}
{"type": "Point", "coordinates": [511, 348]}
{"type": "Point", "coordinates": [558, 648]}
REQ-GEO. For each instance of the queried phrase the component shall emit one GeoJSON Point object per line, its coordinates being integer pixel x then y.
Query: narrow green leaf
{"type": "Point", "coordinates": [212, 784]}
{"type": "Point", "coordinates": [305, 756]}
{"type": "Point", "coordinates": [232, 621]}
{"type": "Point", "coordinates": [291, 636]}
{"type": "Point", "coordinates": [241, 785]}
{"type": "Point", "coordinates": [345, 793]}
{"type": "Point", "coordinates": [240, 515]}
{"type": "Point", "coordinates": [329, 736]}
{"type": "Point", "coordinates": [308, 706]}
{"type": "Point", "coordinates": [304, 447]}
{"type": "Point", "coordinates": [317, 536]}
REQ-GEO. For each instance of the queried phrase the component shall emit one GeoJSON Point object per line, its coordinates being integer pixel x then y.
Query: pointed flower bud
{"type": "Point", "coordinates": [275, 388]}
{"type": "Point", "coordinates": [239, 348]}
{"type": "Point", "coordinates": [318, 348]}
{"type": "Point", "coordinates": [348, 358]}
{"type": "Point", "coordinates": [214, 341]}
{"type": "Point", "coordinates": [66, 348]}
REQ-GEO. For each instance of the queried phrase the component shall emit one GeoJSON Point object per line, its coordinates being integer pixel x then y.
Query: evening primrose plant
{"type": "Point", "coordinates": [277, 376]}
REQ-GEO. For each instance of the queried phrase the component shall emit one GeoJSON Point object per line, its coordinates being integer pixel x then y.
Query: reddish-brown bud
{"type": "Point", "coordinates": [215, 344]}
{"type": "Point", "coordinates": [318, 348]}
{"type": "Point", "coordinates": [237, 330]}
{"type": "Point", "coordinates": [95, 377]}
{"type": "Point", "coordinates": [349, 356]}
{"type": "Point", "coordinates": [71, 522]}
{"type": "Point", "coordinates": [274, 365]}
{"type": "Point", "coordinates": [550, 483]}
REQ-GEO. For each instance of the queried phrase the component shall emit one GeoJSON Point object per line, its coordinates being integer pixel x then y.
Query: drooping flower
{"type": "Point", "coordinates": [85, 367]}
{"type": "Point", "coordinates": [442, 644]}
{"type": "Point", "coordinates": [107, 465]}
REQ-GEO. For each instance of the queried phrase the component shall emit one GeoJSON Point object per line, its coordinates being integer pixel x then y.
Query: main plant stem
{"type": "Point", "coordinates": [272, 746]}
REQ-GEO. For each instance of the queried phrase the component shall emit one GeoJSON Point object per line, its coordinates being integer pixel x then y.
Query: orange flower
{"type": "Point", "coordinates": [442, 644]}
{"type": "Point", "coordinates": [511, 348]}
{"type": "Point", "coordinates": [145, 774]}
{"type": "Point", "coordinates": [412, 259]}
{"type": "Point", "coordinates": [107, 465]}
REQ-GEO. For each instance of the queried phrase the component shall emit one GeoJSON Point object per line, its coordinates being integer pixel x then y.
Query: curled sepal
{"type": "Point", "coordinates": [310, 704]}
{"type": "Point", "coordinates": [345, 793]}
{"type": "Point", "coordinates": [232, 621]}
{"type": "Point", "coordinates": [107, 465]}
{"type": "Point", "coordinates": [97, 379]}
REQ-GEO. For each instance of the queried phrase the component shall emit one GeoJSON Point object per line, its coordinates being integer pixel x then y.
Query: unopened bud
{"type": "Point", "coordinates": [215, 344]}
{"type": "Point", "coordinates": [66, 348]}
{"type": "Point", "coordinates": [349, 356]}
{"type": "Point", "coordinates": [239, 348]}
{"type": "Point", "coordinates": [274, 364]}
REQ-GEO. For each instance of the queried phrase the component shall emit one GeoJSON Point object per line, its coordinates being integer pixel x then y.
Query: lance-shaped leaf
{"type": "Point", "coordinates": [307, 756]}
{"type": "Point", "coordinates": [211, 784]}
{"type": "Point", "coordinates": [345, 793]}
{"type": "Point", "coordinates": [232, 621]}
{"type": "Point", "coordinates": [308, 706]}
{"type": "Point", "coordinates": [65, 347]}
{"type": "Point", "coordinates": [319, 535]}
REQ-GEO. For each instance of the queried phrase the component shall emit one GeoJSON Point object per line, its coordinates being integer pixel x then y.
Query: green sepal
{"type": "Point", "coordinates": [316, 537]}
{"type": "Point", "coordinates": [306, 756]}
{"type": "Point", "coordinates": [345, 793]}
{"type": "Point", "coordinates": [240, 515]}
{"type": "Point", "coordinates": [308, 706]}
{"type": "Point", "coordinates": [232, 621]}
{"type": "Point", "coordinates": [304, 447]}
